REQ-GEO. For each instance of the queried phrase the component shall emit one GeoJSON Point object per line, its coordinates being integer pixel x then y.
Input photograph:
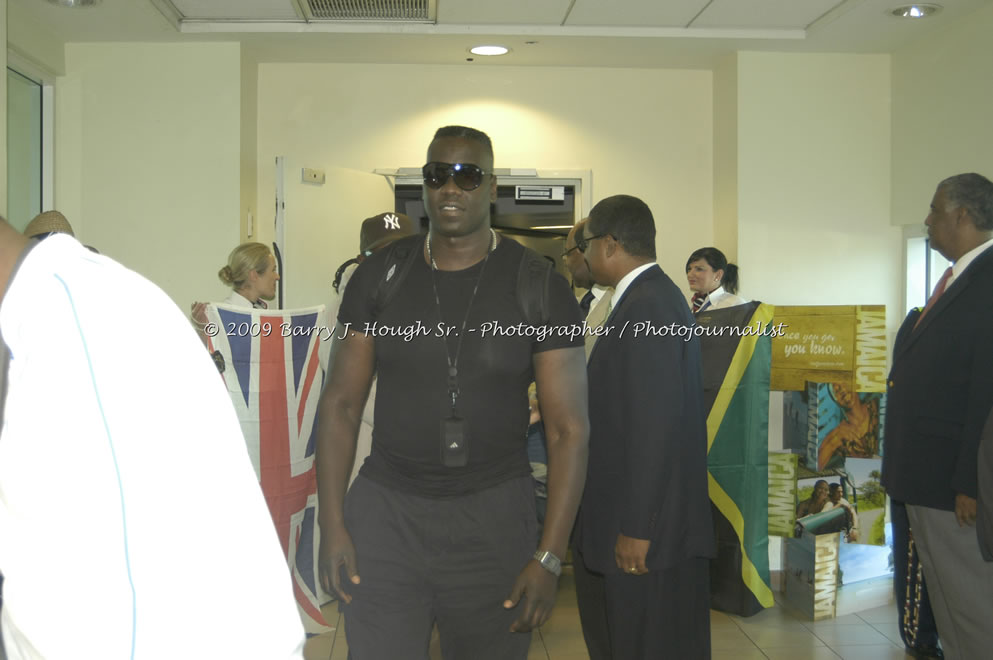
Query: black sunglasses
{"type": "Point", "coordinates": [582, 243]}
{"type": "Point", "coordinates": [466, 175]}
{"type": "Point", "coordinates": [569, 251]}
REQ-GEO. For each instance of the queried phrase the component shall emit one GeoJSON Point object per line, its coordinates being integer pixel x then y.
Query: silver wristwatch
{"type": "Point", "coordinates": [549, 562]}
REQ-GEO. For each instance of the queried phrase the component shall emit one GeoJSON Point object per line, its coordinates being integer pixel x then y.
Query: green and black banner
{"type": "Point", "coordinates": [736, 347]}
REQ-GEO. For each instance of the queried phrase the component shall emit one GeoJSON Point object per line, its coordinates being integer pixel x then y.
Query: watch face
{"type": "Point", "coordinates": [550, 562]}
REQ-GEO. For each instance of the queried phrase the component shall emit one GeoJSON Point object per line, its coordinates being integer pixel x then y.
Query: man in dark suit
{"type": "Point", "coordinates": [939, 394]}
{"type": "Point", "coordinates": [644, 522]}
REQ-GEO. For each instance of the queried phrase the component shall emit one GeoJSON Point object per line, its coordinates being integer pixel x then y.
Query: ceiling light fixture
{"type": "Point", "coordinates": [915, 11]}
{"type": "Point", "coordinates": [489, 50]}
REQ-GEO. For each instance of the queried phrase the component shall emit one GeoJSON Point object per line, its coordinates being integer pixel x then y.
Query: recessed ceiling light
{"type": "Point", "coordinates": [74, 3]}
{"type": "Point", "coordinates": [915, 11]}
{"type": "Point", "coordinates": [489, 50]}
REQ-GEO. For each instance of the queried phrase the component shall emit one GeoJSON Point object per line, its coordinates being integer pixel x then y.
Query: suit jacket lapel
{"type": "Point", "coordinates": [950, 294]}
{"type": "Point", "coordinates": [906, 329]}
{"type": "Point", "coordinates": [984, 260]}
{"type": "Point", "coordinates": [648, 274]}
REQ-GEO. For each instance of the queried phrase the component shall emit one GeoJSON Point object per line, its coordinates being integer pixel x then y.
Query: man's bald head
{"type": "Point", "coordinates": [574, 259]}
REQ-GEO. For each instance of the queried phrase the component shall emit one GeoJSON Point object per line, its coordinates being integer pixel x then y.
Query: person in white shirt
{"type": "Point", "coordinates": [124, 480]}
{"type": "Point", "coordinates": [713, 281]}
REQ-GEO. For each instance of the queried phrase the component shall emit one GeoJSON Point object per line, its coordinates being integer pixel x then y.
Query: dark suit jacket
{"type": "Point", "coordinates": [939, 393]}
{"type": "Point", "coordinates": [647, 475]}
{"type": "Point", "coordinates": [984, 515]}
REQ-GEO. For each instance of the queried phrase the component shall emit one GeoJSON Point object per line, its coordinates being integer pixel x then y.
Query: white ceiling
{"type": "Point", "coordinates": [621, 33]}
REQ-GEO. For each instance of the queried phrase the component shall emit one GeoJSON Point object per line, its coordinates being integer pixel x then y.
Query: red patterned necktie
{"type": "Point", "coordinates": [698, 299]}
{"type": "Point", "coordinates": [938, 290]}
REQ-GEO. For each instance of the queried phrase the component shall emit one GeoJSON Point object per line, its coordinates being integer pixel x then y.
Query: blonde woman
{"type": "Point", "coordinates": [251, 274]}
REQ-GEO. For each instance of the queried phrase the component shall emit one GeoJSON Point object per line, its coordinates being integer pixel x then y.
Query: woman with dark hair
{"type": "Point", "coordinates": [712, 279]}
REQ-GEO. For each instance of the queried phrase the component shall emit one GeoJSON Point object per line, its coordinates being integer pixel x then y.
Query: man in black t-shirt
{"type": "Point", "coordinates": [440, 523]}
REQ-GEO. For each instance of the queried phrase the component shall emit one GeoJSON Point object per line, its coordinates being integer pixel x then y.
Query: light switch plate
{"type": "Point", "coordinates": [313, 175]}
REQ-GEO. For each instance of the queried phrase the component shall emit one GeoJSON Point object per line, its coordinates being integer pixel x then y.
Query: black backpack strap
{"type": "Point", "coordinates": [400, 256]}
{"type": "Point", "coordinates": [533, 276]}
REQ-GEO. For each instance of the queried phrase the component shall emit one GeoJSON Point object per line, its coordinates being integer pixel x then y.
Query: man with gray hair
{"type": "Point", "coordinates": [939, 394]}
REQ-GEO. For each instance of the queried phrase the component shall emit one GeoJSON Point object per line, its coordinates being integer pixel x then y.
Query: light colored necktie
{"type": "Point", "coordinates": [938, 290]}
{"type": "Point", "coordinates": [597, 316]}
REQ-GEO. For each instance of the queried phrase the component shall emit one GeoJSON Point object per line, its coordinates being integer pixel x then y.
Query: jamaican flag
{"type": "Point", "coordinates": [736, 363]}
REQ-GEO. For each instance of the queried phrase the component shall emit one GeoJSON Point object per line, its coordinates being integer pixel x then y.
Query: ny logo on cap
{"type": "Point", "coordinates": [391, 221]}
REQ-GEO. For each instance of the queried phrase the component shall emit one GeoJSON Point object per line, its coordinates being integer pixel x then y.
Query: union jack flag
{"type": "Point", "coordinates": [274, 376]}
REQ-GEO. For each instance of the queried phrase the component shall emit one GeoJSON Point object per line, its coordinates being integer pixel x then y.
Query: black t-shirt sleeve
{"type": "Point", "coordinates": [565, 318]}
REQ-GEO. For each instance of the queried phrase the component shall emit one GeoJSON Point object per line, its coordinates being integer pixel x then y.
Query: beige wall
{"type": "Point", "coordinates": [148, 149]}
{"type": "Point", "coordinates": [814, 180]}
{"type": "Point", "coordinates": [642, 132]}
{"type": "Point", "coordinates": [726, 157]}
{"type": "Point", "coordinates": [797, 172]}
{"type": "Point", "coordinates": [249, 146]}
{"type": "Point", "coordinates": [942, 101]}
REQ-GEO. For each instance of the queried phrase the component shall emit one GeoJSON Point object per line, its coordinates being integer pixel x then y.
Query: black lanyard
{"type": "Point", "coordinates": [453, 363]}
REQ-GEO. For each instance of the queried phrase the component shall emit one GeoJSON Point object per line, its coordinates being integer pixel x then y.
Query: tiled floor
{"type": "Point", "coordinates": [775, 634]}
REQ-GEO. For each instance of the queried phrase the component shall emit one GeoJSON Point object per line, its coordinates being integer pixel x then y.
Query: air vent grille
{"type": "Point", "coordinates": [370, 10]}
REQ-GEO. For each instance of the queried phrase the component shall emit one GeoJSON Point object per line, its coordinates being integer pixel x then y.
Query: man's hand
{"type": "Point", "coordinates": [336, 551]}
{"type": "Point", "coordinates": [538, 587]}
{"type": "Point", "coordinates": [965, 510]}
{"type": "Point", "coordinates": [630, 554]}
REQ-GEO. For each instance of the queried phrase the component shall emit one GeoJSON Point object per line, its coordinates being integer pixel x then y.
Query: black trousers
{"type": "Point", "coordinates": [591, 596]}
{"type": "Point", "coordinates": [425, 561]}
{"type": "Point", "coordinates": [662, 615]}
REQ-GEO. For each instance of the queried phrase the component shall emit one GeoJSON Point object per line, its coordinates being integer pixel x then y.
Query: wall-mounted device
{"type": "Point", "coordinates": [313, 175]}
